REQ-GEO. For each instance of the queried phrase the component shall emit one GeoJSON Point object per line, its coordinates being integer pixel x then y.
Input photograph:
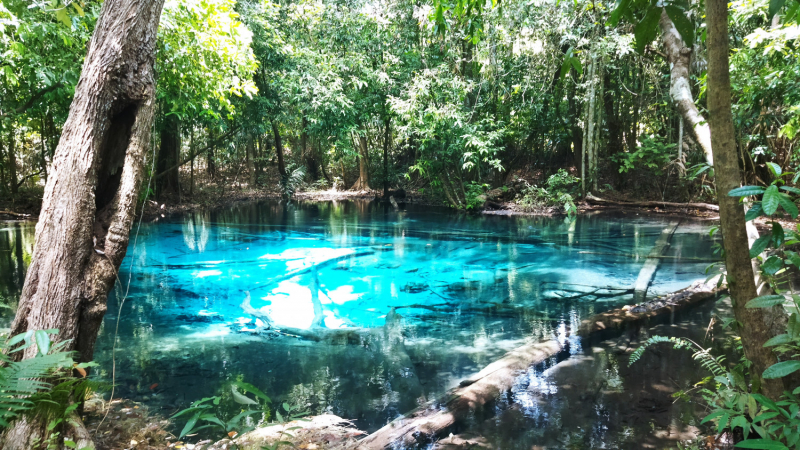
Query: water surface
{"type": "Point", "coordinates": [468, 288]}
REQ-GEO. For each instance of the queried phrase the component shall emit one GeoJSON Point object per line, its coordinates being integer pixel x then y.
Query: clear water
{"type": "Point", "coordinates": [469, 288]}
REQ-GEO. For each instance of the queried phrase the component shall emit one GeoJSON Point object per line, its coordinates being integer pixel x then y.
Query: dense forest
{"type": "Point", "coordinates": [119, 110]}
{"type": "Point", "coordinates": [383, 95]}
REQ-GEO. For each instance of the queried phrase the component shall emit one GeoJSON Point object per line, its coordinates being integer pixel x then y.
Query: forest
{"type": "Point", "coordinates": [399, 224]}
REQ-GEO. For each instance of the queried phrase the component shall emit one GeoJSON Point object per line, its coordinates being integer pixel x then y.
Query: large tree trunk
{"type": "Point", "coordinates": [680, 89]}
{"type": "Point", "coordinates": [279, 149]}
{"type": "Point", "coordinates": [90, 199]}
{"type": "Point", "coordinates": [754, 331]}
{"type": "Point", "coordinates": [169, 156]}
{"type": "Point", "coordinates": [362, 184]}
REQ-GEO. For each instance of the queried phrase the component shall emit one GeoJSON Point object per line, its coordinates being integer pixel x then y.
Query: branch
{"type": "Point", "coordinates": [26, 177]}
{"type": "Point", "coordinates": [198, 153]}
{"type": "Point", "coordinates": [33, 99]}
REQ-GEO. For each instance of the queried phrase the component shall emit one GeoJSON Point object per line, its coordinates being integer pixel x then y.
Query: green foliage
{"type": "Point", "coordinates": [291, 181]}
{"type": "Point", "coordinates": [653, 154]}
{"type": "Point", "coordinates": [41, 386]}
{"type": "Point", "coordinates": [474, 195]}
{"type": "Point", "coordinates": [203, 57]}
{"type": "Point", "coordinates": [558, 190]}
{"type": "Point", "coordinates": [291, 413]}
{"type": "Point", "coordinates": [207, 413]}
{"type": "Point", "coordinates": [771, 248]}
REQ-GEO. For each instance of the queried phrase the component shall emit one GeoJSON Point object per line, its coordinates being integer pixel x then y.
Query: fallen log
{"type": "Point", "coordinates": [14, 214]}
{"type": "Point", "coordinates": [425, 423]}
{"type": "Point", "coordinates": [651, 204]}
{"type": "Point", "coordinates": [650, 266]}
{"type": "Point", "coordinates": [433, 420]}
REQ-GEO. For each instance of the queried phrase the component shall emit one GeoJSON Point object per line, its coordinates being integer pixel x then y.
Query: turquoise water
{"type": "Point", "coordinates": [468, 288]}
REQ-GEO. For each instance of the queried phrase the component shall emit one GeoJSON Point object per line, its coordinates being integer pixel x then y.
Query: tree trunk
{"type": "Point", "coordinates": [90, 198]}
{"type": "Point", "coordinates": [680, 89]}
{"type": "Point", "coordinates": [386, 144]}
{"type": "Point", "coordinates": [211, 167]}
{"type": "Point", "coordinates": [12, 160]}
{"type": "Point", "coordinates": [169, 154]}
{"type": "Point", "coordinates": [362, 184]}
{"type": "Point", "coordinates": [43, 150]}
{"type": "Point", "coordinates": [279, 149]}
{"type": "Point", "coordinates": [250, 155]}
{"type": "Point", "coordinates": [754, 330]}
{"type": "Point", "coordinates": [590, 123]}
{"type": "Point", "coordinates": [3, 184]}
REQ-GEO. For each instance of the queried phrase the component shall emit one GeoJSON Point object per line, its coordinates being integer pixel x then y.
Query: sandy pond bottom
{"type": "Point", "coordinates": [469, 288]}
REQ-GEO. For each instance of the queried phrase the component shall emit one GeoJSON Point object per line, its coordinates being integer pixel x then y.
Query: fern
{"type": "Point", "coordinates": [707, 360]}
{"type": "Point", "coordinates": [291, 181]}
{"type": "Point", "coordinates": [21, 381]}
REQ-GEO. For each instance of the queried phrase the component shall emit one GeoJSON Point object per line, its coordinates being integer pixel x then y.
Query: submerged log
{"type": "Point", "coordinates": [425, 423]}
{"type": "Point", "coordinates": [651, 204]}
{"type": "Point", "coordinates": [650, 267]}
{"type": "Point", "coordinates": [436, 418]}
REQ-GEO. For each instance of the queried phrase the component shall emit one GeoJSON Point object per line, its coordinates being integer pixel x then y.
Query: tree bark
{"type": "Point", "coordinates": [279, 149]}
{"type": "Point", "coordinates": [90, 198]}
{"type": "Point", "coordinates": [169, 153]}
{"type": "Point", "coordinates": [211, 167]}
{"type": "Point", "coordinates": [43, 150]}
{"type": "Point", "coordinates": [362, 184]}
{"type": "Point", "coordinates": [250, 155]}
{"type": "Point", "coordinates": [12, 160]}
{"type": "Point", "coordinates": [386, 144]}
{"type": "Point", "coordinates": [754, 331]}
{"type": "Point", "coordinates": [680, 89]}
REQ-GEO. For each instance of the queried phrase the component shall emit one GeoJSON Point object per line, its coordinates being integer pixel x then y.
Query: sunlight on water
{"type": "Point", "coordinates": [469, 288]}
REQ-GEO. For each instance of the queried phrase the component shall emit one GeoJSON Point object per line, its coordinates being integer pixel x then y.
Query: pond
{"type": "Point", "coordinates": [468, 289]}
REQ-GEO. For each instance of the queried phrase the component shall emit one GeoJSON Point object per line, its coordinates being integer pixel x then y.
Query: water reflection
{"type": "Point", "coordinates": [468, 288]}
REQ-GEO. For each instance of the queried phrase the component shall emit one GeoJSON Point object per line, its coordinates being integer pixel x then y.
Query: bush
{"type": "Point", "coordinates": [558, 190]}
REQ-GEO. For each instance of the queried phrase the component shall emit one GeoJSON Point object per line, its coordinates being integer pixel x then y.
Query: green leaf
{"type": "Point", "coordinates": [247, 387]}
{"type": "Point", "coordinates": [647, 29]}
{"type": "Point", "coordinates": [774, 7]}
{"type": "Point", "coordinates": [760, 245]}
{"type": "Point", "coordinates": [78, 8]}
{"type": "Point", "coordinates": [771, 200]}
{"type": "Point", "coordinates": [792, 258]}
{"type": "Point", "coordinates": [616, 14]}
{"type": "Point", "coordinates": [781, 369]}
{"type": "Point", "coordinates": [775, 169]}
{"type": "Point", "coordinates": [189, 425]}
{"type": "Point", "coordinates": [713, 415]}
{"type": "Point", "coordinates": [792, 190]}
{"type": "Point", "coordinates": [684, 26]}
{"type": "Point", "coordinates": [754, 212]}
{"type": "Point", "coordinates": [763, 444]}
{"type": "Point", "coordinates": [565, 68]}
{"type": "Point", "coordinates": [780, 339]}
{"type": "Point", "coordinates": [772, 265]}
{"type": "Point", "coordinates": [576, 63]}
{"type": "Point", "coordinates": [42, 341]}
{"type": "Point", "coordinates": [788, 205]}
{"type": "Point", "coordinates": [241, 398]}
{"type": "Point", "coordinates": [766, 301]}
{"type": "Point", "coordinates": [744, 191]}
{"type": "Point", "coordinates": [63, 17]}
